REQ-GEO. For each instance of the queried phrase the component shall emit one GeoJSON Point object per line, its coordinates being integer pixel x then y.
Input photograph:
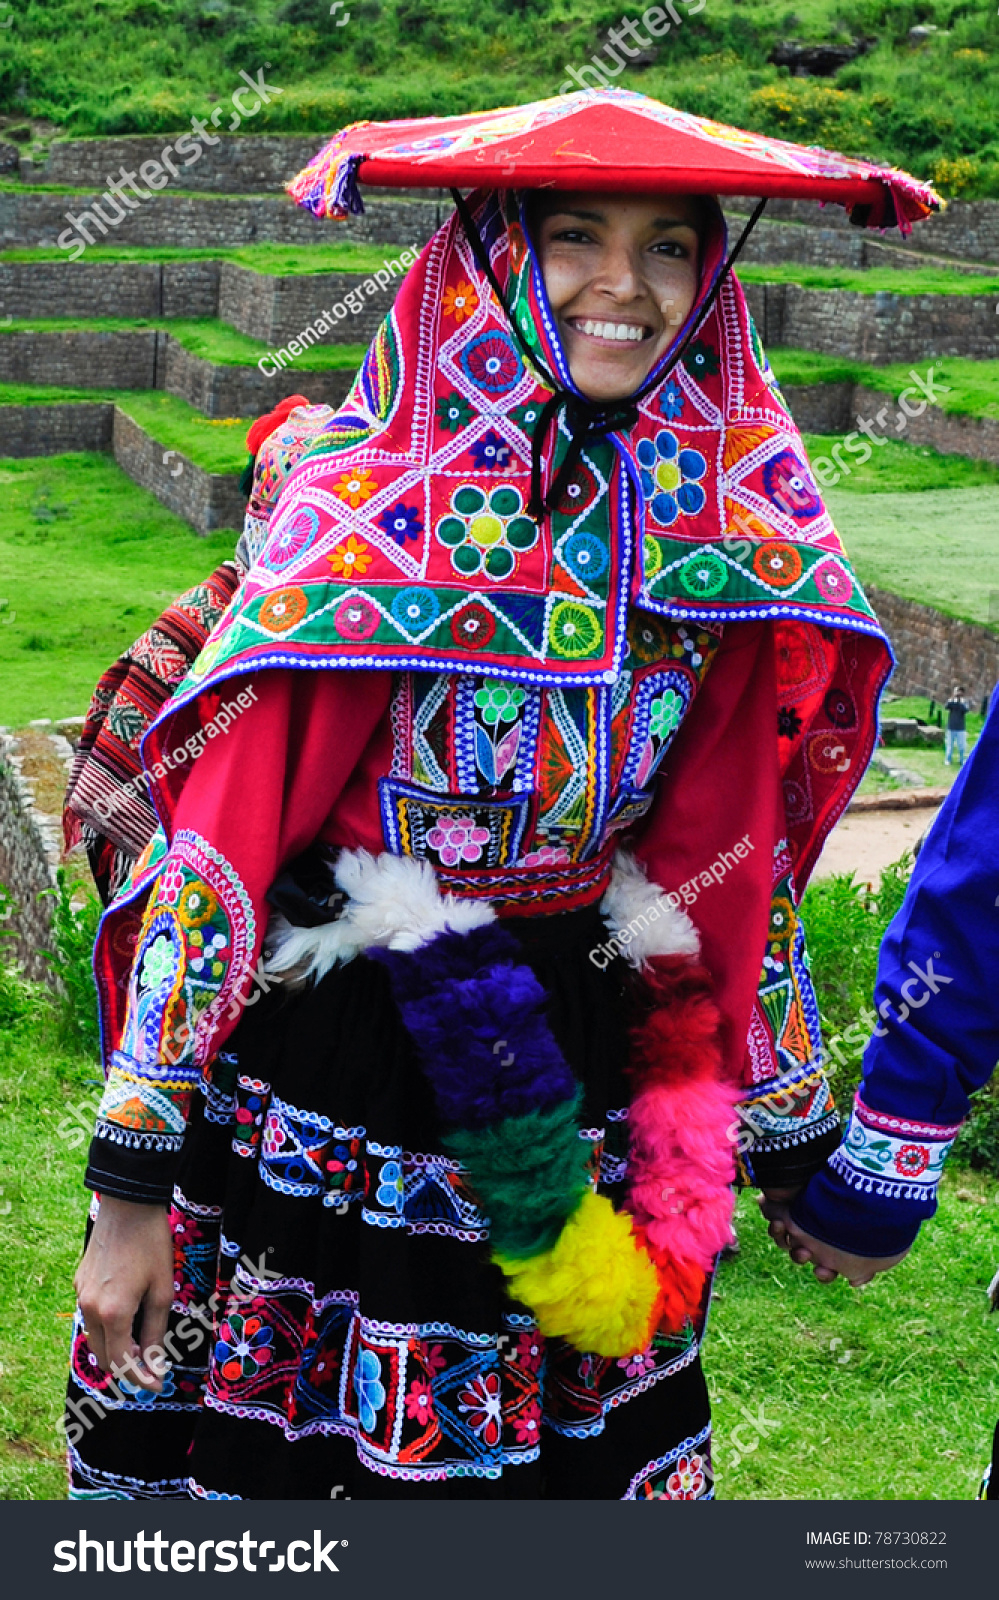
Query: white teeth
{"type": "Point", "coordinates": [613, 330]}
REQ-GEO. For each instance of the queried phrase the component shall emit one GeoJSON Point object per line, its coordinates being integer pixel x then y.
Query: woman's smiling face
{"type": "Point", "coordinates": [621, 276]}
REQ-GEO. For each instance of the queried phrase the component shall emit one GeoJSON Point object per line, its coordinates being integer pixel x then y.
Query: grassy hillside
{"type": "Point", "coordinates": [113, 66]}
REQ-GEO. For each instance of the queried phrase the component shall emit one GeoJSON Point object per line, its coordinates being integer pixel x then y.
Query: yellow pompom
{"type": "Point", "coordinates": [595, 1287]}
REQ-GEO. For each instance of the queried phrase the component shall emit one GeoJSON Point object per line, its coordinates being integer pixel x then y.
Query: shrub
{"type": "Point", "coordinates": [20, 1000]}
{"type": "Point", "coordinates": [74, 929]}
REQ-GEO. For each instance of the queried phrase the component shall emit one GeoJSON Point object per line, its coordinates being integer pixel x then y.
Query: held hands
{"type": "Point", "coordinates": [128, 1264]}
{"type": "Point", "coordinates": [828, 1262]}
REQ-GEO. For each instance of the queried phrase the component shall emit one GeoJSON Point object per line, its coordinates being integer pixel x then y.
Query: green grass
{"type": "Point", "coordinates": [203, 336]}
{"type": "Point", "coordinates": [42, 1218]}
{"type": "Point", "coordinates": [874, 280]}
{"type": "Point", "coordinates": [273, 260]}
{"type": "Point", "coordinates": [938, 547]}
{"type": "Point", "coordinates": [885, 1393]}
{"type": "Point", "coordinates": [88, 561]}
{"type": "Point", "coordinates": [216, 444]}
{"type": "Point", "coordinates": [973, 386]}
{"type": "Point", "coordinates": [896, 467]}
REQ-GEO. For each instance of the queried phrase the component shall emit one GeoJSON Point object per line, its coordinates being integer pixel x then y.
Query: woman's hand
{"type": "Point", "coordinates": [128, 1263]}
{"type": "Point", "coordinates": [828, 1262]}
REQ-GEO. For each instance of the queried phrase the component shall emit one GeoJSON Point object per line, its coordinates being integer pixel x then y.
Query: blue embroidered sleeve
{"type": "Point", "coordinates": [938, 1039]}
{"type": "Point", "coordinates": [788, 1123]}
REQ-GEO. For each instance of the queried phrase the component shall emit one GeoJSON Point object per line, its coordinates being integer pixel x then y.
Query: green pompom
{"type": "Point", "coordinates": [528, 1174]}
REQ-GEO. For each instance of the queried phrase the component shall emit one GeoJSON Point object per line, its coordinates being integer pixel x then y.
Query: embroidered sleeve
{"type": "Point", "coordinates": [936, 1039]}
{"type": "Point", "coordinates": [252, 801]}
{"type": "Point", "coordinates": [788, 1120]}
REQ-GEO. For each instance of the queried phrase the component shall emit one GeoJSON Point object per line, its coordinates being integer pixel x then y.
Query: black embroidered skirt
{"type": "Point", "coordinates": [338, 1328]}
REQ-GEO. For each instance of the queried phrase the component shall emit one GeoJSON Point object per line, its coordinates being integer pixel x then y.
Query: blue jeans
{"type": "Point", "coordinates": [955, 739]}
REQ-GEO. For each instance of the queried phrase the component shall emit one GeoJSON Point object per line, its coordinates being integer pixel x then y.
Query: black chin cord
{"type": "Point", "coordinates": [587, 420]}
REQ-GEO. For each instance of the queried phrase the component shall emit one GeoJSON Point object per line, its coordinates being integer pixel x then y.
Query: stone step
{"type": "Point", "coordinates": [265, 307]}
{"type": "Point", "coordinates": [151, 358]}
{"type": "Point", "coordinates": [208, 221]}
{"type": "Point", "coordinates": [251, 164]}
{"type": "Point", "coordinates": [205, 500]}
{"type": "Point", "coordinates": [967, 230]}
{"type": "Point", "coordinates": [778, 243]}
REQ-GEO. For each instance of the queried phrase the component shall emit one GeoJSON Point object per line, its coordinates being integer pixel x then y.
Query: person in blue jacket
{"type": "Point", "coordinates": [937, 995]}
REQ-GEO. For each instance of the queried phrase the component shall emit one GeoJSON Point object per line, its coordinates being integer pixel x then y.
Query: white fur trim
{"type": "Point", "coordinates": [641, 918]}
{"type": "Point", "coordinates": [394, 903]}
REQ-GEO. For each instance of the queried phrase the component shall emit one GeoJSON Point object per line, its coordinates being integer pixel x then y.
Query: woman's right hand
{"type": "Point", "coordinates": [128, 1263]}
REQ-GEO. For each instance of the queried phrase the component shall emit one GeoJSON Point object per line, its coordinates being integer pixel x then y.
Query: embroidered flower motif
{"type": "Point", "coordinates": [701, 360]}
{"type": "Point", "coordinates": [369, 1389]}
{"type": "Point", "coordinates": [415, 609]}
{"type": "Point", "coordinates": [832, 582]}
{"type": "Point", "coordinates": [340, 1163]}
{"type": "Point", "coordinates": [586, 557]}
{"type": "Point", "coordinates": [171, 884]}
{"type": "Point", "coordinates": [499, 703]}
{"type": "Point", "coordinates": [547, 855]}
{"type": "Point", "coordinates": [782, 922]}
{"type": "Point", "coordinates": [197, 905]}
{"type": "Point", "coordinates": [652, 555]}
{"type": "Point", "coordinates": [647, 638]}
{"type": "Point", "coordinates": [390, 1186]}
{"type": "Point", "coordinates": [530, 1349]}
{"type": "Point", "coordinates": [401, 522]}
{"type": "Point", "coordinates": [840, 709]}
{"type": "Point", "coordinates": [148, 1397]}
{"type": "Point", "coordinates": [912, 1160]}
{"type": "Point", "coordinates": [827, 753]}
{"type": "Point", "coordinates": [579, 492]}
{"type": "Point", "coordinates": [527, 1424]}
{"type": "Point", "coordinates": [527, 416]}
{"type": "Point", "coordinates": [788, 723]}
{"type": "Point", "coordinates": [460, 302]}
{"type": "Point", "coordinates": [453, 412]}
{"type": "Point", "coordinates": [777, 564]}
{"type": "Point", "coordinates": [704, 574]}
{"type": "Point", "coordinates": [686, 1482]}
{"type": "Point", "coordinates": [355, 487]}
{"type": "Point", "coordinates": [457, 839]}
{"type": "Point", "coordinates": [492, 451]}
{"type": "Point", "coordinates": [419, 1402]}
{"type": "Point", "coordinates": [665, 714]}
{"type": "Point", "coordinates": [492, 362]}
{"type": "Point", "coordinates": [473, 627]}
{"type": "Point", "coordinates": [351, 559]}
{"type": "Point", "coordinates": [487, 533]}
{"type": "Point", "coordinates": [637, 1365]}
{"type": "Point", "coordinates": [434, 1358]}
{"type": "Point", "coordinates": [356, 620]}
{"type": "Point", "coordinates": [290, 540]}
{"type": "Point", "coordinates": [791, 486]}
{"type": "Point", "coordinates": [671, 400]}
{"type": "Point", "coordinates": [670, 477]}
{"type": "Point", "coordinates": [244, 1348]}
{"type": "Point", "coordinates": [480, 1402]}
{"type": "Point", "coordinates": [281, 610]}
{"type": "Point", "coordinates": [518, 245]}
{"type": "Point", "coordinates": [574, 630]}
{"type": "Point", "coordinates": [158, 964]}
{"type": "Point", "coordinates": [208, 951]}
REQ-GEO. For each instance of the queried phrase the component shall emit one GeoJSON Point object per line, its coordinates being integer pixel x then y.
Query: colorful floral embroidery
{"type": "Point", "coordinates": [369, 1389]}
{"type": "Point", "coordinates": [671, 477]}
{"type": "Point", "coordinates": [492, 363]}
{"type": "Point", "coordinates": [574, 630]}
{"type": "Point", "coordinates": [356, 619]}
{"type": "Point", "coordinates": [355, 487]}
{"type": "Point", "coordinates": [480, 1404]}
{"type": "Point", "coordinates": [453, 412]}
{"type": "Point", "coordinates": [401, 522]}
{"type": "Point", "coordinates": [487, 533]}
{"type": "Point", "coordinates": [281, 610]}
{"type": "Point", "coordinates": [777, 564]}
{"type": "Point", "coordinates": [244, 1347]}
{"type": "Point", "coordinates": [491, 452]}
{"type": "Point", "coordinates": [459, 301]}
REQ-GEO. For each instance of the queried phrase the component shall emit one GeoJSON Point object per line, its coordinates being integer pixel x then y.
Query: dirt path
{"type": "Point", "coordinates": [867, 841]}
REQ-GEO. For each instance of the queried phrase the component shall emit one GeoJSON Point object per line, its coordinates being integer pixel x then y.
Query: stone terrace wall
{"type": "Point", "coordinates": [966, 228]}
{"type": "Point", "coordinates": [29, 855]}
{"type": "Point", "coordinates": [934, 652]}
{"type": "Point", "coordinates": [277, 309]}
{"type": "Point", "coordinates": [258, 164]}
{"type": "Point", "coordinates": [80, 360]}
{"type": "Point", "coordinates": [215, 221]}
{"type": "Point", "coordinates": [977, 437]}
{"type": "Point", "coordinates": [244, 391]}
{"type": "Point", "coordinates": [206, 500]}
{"type": "Point", "coordinates": [878, 328]}
{"type": "Point", "coordinates": [50, 430]}
{"type": "Point", "coordinates": [84, 288]}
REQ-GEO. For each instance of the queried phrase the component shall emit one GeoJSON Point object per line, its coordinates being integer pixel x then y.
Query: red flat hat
{"type": "Point", "coordinates": [600, 139]}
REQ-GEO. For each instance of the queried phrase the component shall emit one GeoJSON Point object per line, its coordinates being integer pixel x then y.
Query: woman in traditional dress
{"type": "Point", "coordinates": [552, 643]}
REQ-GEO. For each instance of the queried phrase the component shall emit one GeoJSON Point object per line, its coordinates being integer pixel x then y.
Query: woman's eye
{"type": "Point", "coordinates": [572, 236]}
{"type": "Point", "coordinates": [669, 247]}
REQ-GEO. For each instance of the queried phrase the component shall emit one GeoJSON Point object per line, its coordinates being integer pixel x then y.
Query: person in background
{"type": "Point", "coordinates": [956, 736]}
{"type": "Point", "coordinates": [937, 1043]}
